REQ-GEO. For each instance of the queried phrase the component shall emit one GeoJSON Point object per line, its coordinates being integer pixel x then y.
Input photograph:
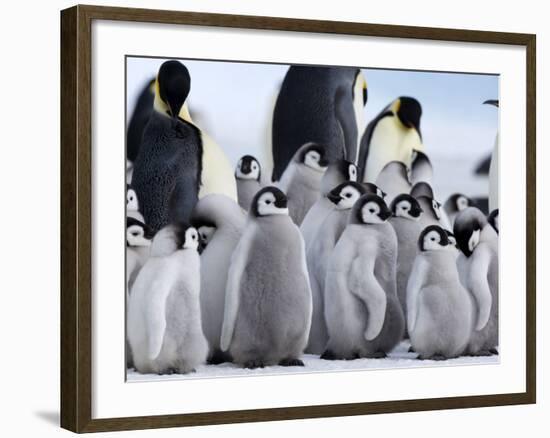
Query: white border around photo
{"type": "Point", "coordinates": [113, 397]}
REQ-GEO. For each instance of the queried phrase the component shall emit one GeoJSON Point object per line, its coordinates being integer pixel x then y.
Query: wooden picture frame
{"type": "Point", "coordinates": [76, 217]}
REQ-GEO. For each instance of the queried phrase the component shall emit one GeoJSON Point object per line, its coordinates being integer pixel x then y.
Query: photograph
{"type": "Point", "coordinates": [286, 219]}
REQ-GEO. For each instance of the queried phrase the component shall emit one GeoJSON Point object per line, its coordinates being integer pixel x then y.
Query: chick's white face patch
{"type": "Point", "coordinates": [135, 235]}
{"type": "Point", "coordinates": [191, 239]}
{"type": "Point", "coordinates": [352, 172]}
{"type": "Point", "coordinates": [348, 196]}
{"type": "Point", "coordinates": [370, 213]}
{"type": "Point", "coordinates": [131, 200]}
{"type": "Point", "coordinates": [267, 207]}
{"type": "Point", "coordinates": [312, 159]}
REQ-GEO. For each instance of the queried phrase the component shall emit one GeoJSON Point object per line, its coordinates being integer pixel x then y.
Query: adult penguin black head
{"type": "Point", "coordinates": [269, 201]}
{"type": "Point", "coordinates": [433, 238]}
{"type": "Point", "coordinates": [346, 194]}
{"type": "Point", "coordinates": [409, 111]}
{"type": "Point", "coordinates": [172, 87]}
{"type": "Point", "coordinates": [467, 229]}
{"type": "Point", "coordinates": [374, 189]}
{"type": "Point", "coordinates": [248, 167]}
{"type": "Point", "coordinates": [370, 209]}
{"type": "Point", "coordinates": [406, 206]}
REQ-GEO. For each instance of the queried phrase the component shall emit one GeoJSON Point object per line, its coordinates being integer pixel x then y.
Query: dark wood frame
{"type": "Point", "coordinates": [76, 226]}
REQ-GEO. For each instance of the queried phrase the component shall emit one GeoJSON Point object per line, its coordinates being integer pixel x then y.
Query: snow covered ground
{"type": "Point", "coordinates": [399, 358]}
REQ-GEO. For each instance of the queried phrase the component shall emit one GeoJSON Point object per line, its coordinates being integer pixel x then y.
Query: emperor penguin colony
{"type": "Point", "coordinates": [346, 247]}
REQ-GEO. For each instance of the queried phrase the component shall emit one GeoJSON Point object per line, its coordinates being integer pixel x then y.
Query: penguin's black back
{"type": "Point", "coordinates": [167, 171]}
{"type": "Point", "coordinates": [309, 108]}
{"type": "Point", "coordinates": [138, 121]}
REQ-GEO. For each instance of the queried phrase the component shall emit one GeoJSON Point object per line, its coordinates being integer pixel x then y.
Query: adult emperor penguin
{"type": "Point", "coordinates": [318, 253]}
{"type": "Point", "coordinates": [248, 174]}
{"type": "Point", "coordinates": [392, 136]}
{"type": "Point", "coordinates": [336, 173]}
{"type": "Point", "coordinates": [139, 119]}
{"type": "Point", "coordinates": [439, 309]}
{"type": "Point", "coordinates": [322, 105]}
{"type": "Point", "coordinates": [362, 311]}
{"type": "Point", "coordinates": [421, 168]}
{"type": "Point", "coordinates": [164, 315]}
{"type": "Point", "coordinates": [478, 267]}
{"type": "Point", "coordinates": [132, 204]}
{"type": "Point", "coordinates": [228, 220]}
{"type": "Point", "coordinates": [493, 168]}
{"type": "Point", "coordinates": [268, 297]}
{"type": "Point", "coordinates": [176, 159]}
{"type": "Point", "coordinates": [301, 180]}
{"type": "Point", "coordinates": [406, 212]}
{"type": "Point", "coordinates": [393, 179]}
{"type": "Point", "coordinates": [455, 204]}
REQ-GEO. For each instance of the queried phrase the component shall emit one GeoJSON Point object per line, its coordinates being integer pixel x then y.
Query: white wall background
{"type": "Point", "coordinates": [29, 218]}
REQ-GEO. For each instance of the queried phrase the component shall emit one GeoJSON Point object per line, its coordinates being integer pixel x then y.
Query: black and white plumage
{"type": "Point", "coordinates": [168, 168]}
{"type": "Point", "coordinates": [164, 314]}
{"type": "Point", "coordinates": [478, 267]}
{"type": "Point", "coordinates": [362, 311]}
{"type": "Point", "coordinates": [301, 180]}
{"type": "Point", "coordinates": [318, 104]}
{"type": "Point", "coordinates": [268, 298]}
{"type": "Point", "coordinates": [248, 174]}
{"type": "Point", "coordinates": [440, 314]}
{"type": "Point", "coordinates": [406, 212]}
{"type": "Point", "coordinates": [494, 220]}
{"type": "Point", "coordinates": [392, 136]}
{"type": "Point", "coordinates": [343, 197]}
{"type": "Point", "coordinates": [222, 214]}
{"type": "Point", "coordinates": [336, 174]}
{"type": "Point", "coordinates": [455, 204]}
{"type": "Point", "coordinates": [132, 204]}
{"type": "Point", "coordinates": [432, 214]}
{"type": "Point", "coordinates": [139, 119]}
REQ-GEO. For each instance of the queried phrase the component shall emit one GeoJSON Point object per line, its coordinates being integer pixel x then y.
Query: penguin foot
{"type": "Point", "coordinates": [168, 371]}
{"type": "Point", "coordinates": [376, 355]}
{"type": "Point", "coordinates": [291, 363]}
{"type": "Point", "coordinates": [253, 363]}
{"type": "Point", "coordinates": [411, 350]}
{"type": "Point", "coordinates": [328, 355]}
{"type": "Point", "coordinates": [219, 357]}
{"type": "Point", "coordinates": [493, 351]}
{"type": "Point", "coordinates": [481, 353]}
{"type": "Point", "coordinates": [437, 357]}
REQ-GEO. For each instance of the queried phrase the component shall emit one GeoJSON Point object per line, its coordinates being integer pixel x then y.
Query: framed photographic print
{"type": "Point", "coordinates": [301, 217]}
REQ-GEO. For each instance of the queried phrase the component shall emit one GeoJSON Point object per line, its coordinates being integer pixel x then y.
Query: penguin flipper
{"type": "Point", "coordinates": [155, 311]}
{"type": "Point", "coordinates": [343, 107]}
{"type": "Point", "coordinates": [414, 285]}
{"type": "Point", "coordinates": [184, 197]}
{"type": "Point", "coordinates": [369, 290]}
{"type": "Point", "coordinates": [479, 284]}
{"type": "Point", "coordinates": [232, 290]}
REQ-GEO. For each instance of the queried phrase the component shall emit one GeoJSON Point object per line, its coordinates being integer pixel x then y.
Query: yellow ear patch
{"type": "Point", "coordinates": [395, 106]}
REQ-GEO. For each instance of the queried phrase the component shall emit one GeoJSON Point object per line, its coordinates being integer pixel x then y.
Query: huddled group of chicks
{"type": "Point", "coordinates": [331, 258]}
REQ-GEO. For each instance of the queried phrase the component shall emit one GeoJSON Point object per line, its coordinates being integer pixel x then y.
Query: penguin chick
{"type": "Point", "coordinates": [222, 214]}
{"type": "Point", "coordinates": [268, 298]}
{"type": "Point", "coordinates": [301, 180]}
{"type": "Point", "coordinates": [132, 204]}
{"type": "Point", "coordinates": [432, 213]}
{"type": "Point", "coordinates": [362, 311]}
{"type": "Point", "coordinates": [406, 212]}
{"type": "Point", "coordinates": [336, 174]}
{"type": "Point", "coordinates": [164, 315]}
{"type": "Point", "coordinates": [422, 189]}
{"type": "Point", "coordinates": [455, 204]}
{"type": "Point", "coordinates": [421, 168]}
{"type": "Point", "coordinates": [393, 180]}
{"type": "Point", "coordinates": [478, 267]}
{"type": "Point", "coordinates": [343, 197]}
{"type": "Point", "coordinates": [392, 136]}
{"type": "Point", "coordinates": [440, 316]}
{"type": "Point", "coordinates": [493, 219]}
{"type": "Point", "coordinates": [206, 231]}
{"type": "Point", "coordinates": [320, 104]}
{"type": "Point", "coordinates": [248, 175]}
